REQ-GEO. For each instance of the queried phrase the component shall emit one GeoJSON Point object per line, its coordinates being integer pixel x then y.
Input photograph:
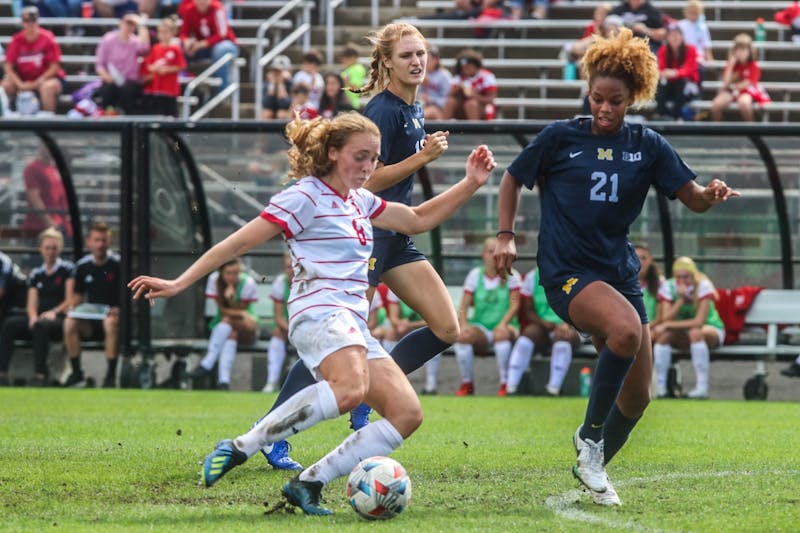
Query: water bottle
{"type": "Point", "coordinates": [761, 32]}
{"type": "Point", "coordinates": [586, 381]}
{"type": "Point", "coordinates": [570, 71]}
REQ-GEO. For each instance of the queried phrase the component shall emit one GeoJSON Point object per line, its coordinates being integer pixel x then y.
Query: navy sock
{"type": "Point", "coordinates": [299, 378]}
{"type": "Point", "coordinates": [76, 364]}
{"type": "Point", "coordinates": [608, 376]}
{"type": "Point", "coordinates": [616, 431]}
{"type": "Point", "coordinates": [417, 348]}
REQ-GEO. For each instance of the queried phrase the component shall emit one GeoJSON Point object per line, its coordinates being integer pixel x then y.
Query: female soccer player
{"type": "Point", "coordinates": [594, 174]}
{"type": "Point", "coordinates": [326, 219]}
{"type": "Point", "coordinates": [399, 61]}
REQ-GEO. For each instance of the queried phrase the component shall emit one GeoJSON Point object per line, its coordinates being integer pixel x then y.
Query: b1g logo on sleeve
{"type": "Point", "coordinates": [631, 157]}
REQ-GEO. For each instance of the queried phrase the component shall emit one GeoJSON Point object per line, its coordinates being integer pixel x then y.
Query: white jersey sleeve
{"type": "Point", "coordinates": [249, 292]}
{"type": "Point", "coordinates": [276, 291]}
{"type": "Point", "coordinates": [211, 285]}
{"type": "Point", "coordinates": [526, 289]}
{"type": "Point", "coordinates": [471, 281]}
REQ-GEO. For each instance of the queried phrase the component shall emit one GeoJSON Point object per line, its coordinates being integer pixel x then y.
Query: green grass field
{"type": "Point", "coordinates": [129, 460]}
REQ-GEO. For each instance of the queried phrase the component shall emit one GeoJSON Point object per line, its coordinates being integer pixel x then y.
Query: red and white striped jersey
{"type": "Point", "coordinates": [330, 238]}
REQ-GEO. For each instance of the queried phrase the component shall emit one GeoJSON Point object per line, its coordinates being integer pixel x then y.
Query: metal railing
{"type": "Point", "coordinates": [232, 90]}
{"type": "Point", "coordinates": [264, 60]}
{"type": "Point", "coordinates": [330, 8]}
{"type": "Point", "coordinates": [275, 20]}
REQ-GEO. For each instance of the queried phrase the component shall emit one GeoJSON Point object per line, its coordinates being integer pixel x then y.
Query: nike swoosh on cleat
{"type": "Point", "coordinates": [573, 155]}
{"type": "Point", "coordinates": [596, 426]}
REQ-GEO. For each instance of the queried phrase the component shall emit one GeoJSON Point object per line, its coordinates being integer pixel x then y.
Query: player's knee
{"type": "Point", "coordinates": [448, 333]}
{"type": "Point", "coordinates": [406, 416]}
{"type": "Point", "coordinates": [350, 394]}
{"type": "Point", "coordinates": [625, 339]}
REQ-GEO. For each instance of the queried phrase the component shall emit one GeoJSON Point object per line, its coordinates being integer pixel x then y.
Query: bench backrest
{"type": "Point", "coordinates": [772, 306]}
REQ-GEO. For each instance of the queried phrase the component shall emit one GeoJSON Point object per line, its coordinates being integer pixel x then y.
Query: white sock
{"type": "Point", "coordinates": [464, 355]}
{"type": "Point", "coordinates": [701, 359]}
{"type": "Point", "coordinates": [276, 355]}
{"type": "Point", "coordinates": [216, 340]}
{"type": "Point", "coordinates": [303, 410]}
{"type": "Point", "coordinates": [388, 345]}
{"type": "Point", "coordinates": [432, 373]}
{"type": "Point", "coordinates": [378, 438]}
{"type": "Point", "coordinates": [662, 359]}
{"type": "Point", "coordinates": [226, 360]}
{"type": "Point", "coordinates": [502, 351]}
{"type": "Point", "coordinates": [518, 362]}
{"type": "Point", "coordinates": [560, 359]}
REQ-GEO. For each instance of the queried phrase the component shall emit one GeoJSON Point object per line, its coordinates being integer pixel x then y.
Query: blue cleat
{"type": "Point", "coordinates": [359, 417]}
{"type": "Point", "coordinates": [306, 496]}
{"type": "Point", "coordinates": [279, 458]}
{"type": "Point", "coordinates": [224, 457]}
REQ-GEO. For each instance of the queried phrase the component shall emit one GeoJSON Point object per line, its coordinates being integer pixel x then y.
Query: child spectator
{"type": "Point", "coordinates": [277, 99]}
{"type": "Point", "coordinates": [695, 31]}
{"type": "Point", "coordinates": [680, 75]}
{"type": "Point", "coordinates": [309, 76]}
{"type": "Point", "coordinates": [435, 87]}
{"type": "Point", "coordinates": [301, 106]}
{"type": "Point", "coordinates": [473, 90]}
{"type": "Point", "coordinates": [353, 74]}
{"type": "Point", "coordinates": [206, 34]}
{"type": "Point", "coordinates": [333, 100]}
{"type": "Point", "coordinates": [33, 62]}
{"type": "Point", "coordinates": [689, 320]}
{"type": "Point", "coordinates": [117, 64]}
{"type": "Point", "coordinates": [160, 70]}
{"type": "Point", "coordinates": [740, 81]}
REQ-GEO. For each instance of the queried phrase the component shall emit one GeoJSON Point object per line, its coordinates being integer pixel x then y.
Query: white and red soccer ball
{"type": "Point", "coordinates": [378, 488]}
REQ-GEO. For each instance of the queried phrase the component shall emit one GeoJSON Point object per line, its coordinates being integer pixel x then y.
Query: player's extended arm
{"type": "Point", "coordinates": [505, 253]}
{"type": "Point", "coordinates": [700, 199]}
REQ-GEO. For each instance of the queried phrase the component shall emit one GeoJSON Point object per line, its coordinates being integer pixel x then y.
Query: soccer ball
{"type": "Point", "coordinates": [378, 488]}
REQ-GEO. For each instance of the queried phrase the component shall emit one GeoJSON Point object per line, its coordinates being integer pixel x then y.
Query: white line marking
{"type": "Point", "coordinates": [566, 504]}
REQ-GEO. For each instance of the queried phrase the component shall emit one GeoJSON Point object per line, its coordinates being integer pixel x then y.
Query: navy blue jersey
{"type": "Point", "coordinates": [592, 188]}
{"type": "Point", "coordinates": [51, 287]}
{"type": "Point", "coordinates": [402, 128]}
{"type": "Point", "coordinates": [100, 283]}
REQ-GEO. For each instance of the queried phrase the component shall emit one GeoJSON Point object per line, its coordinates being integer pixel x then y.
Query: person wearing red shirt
{"type": "Point", "coordinates": [473, 91]}
{"type": "Point", "coordinates": [680, 74]}
{"type": "Point", "coordinates": [205, 33]}
{"type": "Point", "coordinates": [33, 62]}
{"type": "Point", "coordinates": [160, 70]}
{"type": "Point", "coordinates": [740, 81]}
{"type": "Point", "coordinates": [47, 199]}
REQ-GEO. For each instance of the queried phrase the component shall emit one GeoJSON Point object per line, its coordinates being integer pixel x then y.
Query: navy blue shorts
{"type": "Point", "coordinates": [390, 252]}
{"type": "Point", "coordinates": [560, 297]}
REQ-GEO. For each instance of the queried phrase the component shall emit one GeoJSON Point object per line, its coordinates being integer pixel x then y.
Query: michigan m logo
{"type": "Point", "coordinates": [567, 287]}
{"type": "Point", "coordinates": [606, 154]}
{"type": "Point", "coordinates": [372, 261]}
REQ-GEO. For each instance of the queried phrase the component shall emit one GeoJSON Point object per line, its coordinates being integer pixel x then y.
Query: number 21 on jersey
{"type": "Point", "coordinates": [605, 187]}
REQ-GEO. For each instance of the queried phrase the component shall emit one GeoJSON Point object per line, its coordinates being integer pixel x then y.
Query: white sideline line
{"type": "Point", "coordinates": [564, 504]}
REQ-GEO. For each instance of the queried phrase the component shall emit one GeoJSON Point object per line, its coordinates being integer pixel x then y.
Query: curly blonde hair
{"type": "Point", "coordinates": [311, 141]}
{"type": "Point", "coordinates": [626, 58]}
{"type": "Point", "coordinates": [383, 43]}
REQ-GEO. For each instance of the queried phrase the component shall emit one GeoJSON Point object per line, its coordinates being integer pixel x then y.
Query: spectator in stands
{"type": "Point", "coordinates": [12, 288]}
{"type": "Point", "coordinates": [609, 27]}
{"type": "Point", "coordinates": [235, 322]}
{"type": "Point", "coordinates": [309, 76]}
{"type": "Point", "coordinates": [689, 320]}
{"type": "Point", "coordinates": [599, 14]}
{"type": "Point", "coordinates": [353, 74]}
{"type": "Point", "coordinates": [740, 81]}
{"type": "Point", "coordinates": [436, 87]}
{"type": "Point", "coordinates": [56, 8]}
{"type": "Point", "coordinates": [589, 271]}
{"type": "Point", "coordinates": [96, 282]}
{"type": "Point", "coordinates": [276, 98]}
{"type": "Point", "coordinates": [491, 10]}
{"type": "Point", "coordinates": [790, 17]}
{"type": "Point", "coordinates": [114, 8]}
{"type": "Point", "coordinates": [206, 34]}
{"type": "Point", "coordinates": [520, 9]}
{"type": "Point", "coordinates": [644, 19]}
{"type": "Point", "coordinates": [473, 90]}
{"type": "Point", "coordinates": [33, 62]}
{"type": "Point", "coordinates": [276, 353]}
{"type": "Point", "coordinates": [544, 330]}
{"type": "Point", "coordinates": [44, 191]}
{"type": "Point", "coordinates": [495, 303]}
{"type": "Point", "coordinates": [160, 70]}
{"type": "Point", "coordinates": [695, 31]}
{"type": "Point", "coordinates": [48, 288]}
{"type": "Point", "coordinates": [680, 75]}
{"type": "Point", "coordinates": [333, 100]}
{"type": "Point", "coordinates": [462, 9]}
{"type": "Point", "coordinates": [117, 64]}
{"type": "Point", "coordinates": [301, 102]}
{"type": "Point", "coordinates": [650, 279]}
